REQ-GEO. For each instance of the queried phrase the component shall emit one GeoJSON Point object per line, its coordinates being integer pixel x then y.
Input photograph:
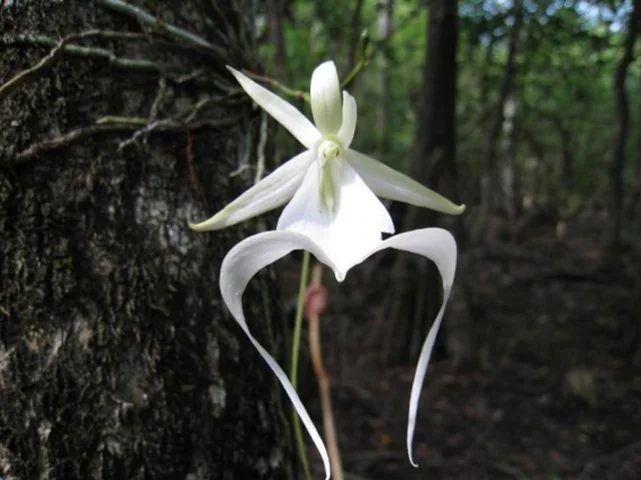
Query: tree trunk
{"type": "Point", "coordinates": [276, 11]}
{"type": "Point", "coordinates": [489, 183]}
{"type": "Point", "coordinates": [382, 114]}
{"type": "Point", "coordinates": [354, 34]}
{"type": "Point", "coordinates": [435, 165]}
{"type": "Point", "coordinates": [567, 148]}
{"type": "Point", "coordinates": [509, 176]}
{"type": "Point", "coordinates": [117, 357]}
{"type": "Point", "coordinates": [613, 236]}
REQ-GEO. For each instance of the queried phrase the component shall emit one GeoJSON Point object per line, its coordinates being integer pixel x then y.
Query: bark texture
{"type": "Point", "coordinates": [118, 359]}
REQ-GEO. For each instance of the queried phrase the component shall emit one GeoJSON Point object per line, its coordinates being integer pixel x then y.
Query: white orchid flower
{"type": "Point", "coordinates": [333, 212]}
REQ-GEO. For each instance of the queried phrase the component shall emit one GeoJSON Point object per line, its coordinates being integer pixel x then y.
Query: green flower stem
{"type": "Point", "coordinates": [298, 327]}
{"type": "Point", "coordinates": [360, 66]}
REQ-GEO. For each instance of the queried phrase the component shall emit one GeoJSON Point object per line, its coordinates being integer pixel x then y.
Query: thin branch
{"type": "Point", "coordinates": [63, 46]}
{"type": "Point", "coordinates": [70, 137]}
{"type": "Point", "coordinates": [354, 28]}
{"type": "Point", "coordinates": [363, 61]}
{"type": "Point", "coordinates": [89, 52]}
{"type": "Point", "coordinates": [315, 302]}
{"type": "Point", "coordinates": [362, 64]}
{"type": "Point", "coordinates": [118, 120]}
{"type": "Point", "coordinates": [200, 106]}
{"type": "Point", "coordinates": [260, 150]}
{"type": "Point", "coordinates": [172, 73]}
{"type": "Point", "coordinates": [174, 125]}
{"type": "Point", "coordinates": [187, 117]}
{"type": "Point", "coordinates": [120, 124]}
{"type": "Point", "coordinates": [279, 86]}
{"type": "Point", "coordinates": [147, 19]}
{"type": "Point", "coordinates": [34, 72]}
{"type": "Point", "coordinates": [160, 96]}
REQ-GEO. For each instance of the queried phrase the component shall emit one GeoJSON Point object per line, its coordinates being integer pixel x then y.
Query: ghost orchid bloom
{"type": "Point", "coordinates": [333, 212]}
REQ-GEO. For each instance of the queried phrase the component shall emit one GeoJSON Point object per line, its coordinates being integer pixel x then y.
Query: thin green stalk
{"type": "Point", "coordinates": [362, 64]}
{"type": "Point", "coordinates": [298, 327]}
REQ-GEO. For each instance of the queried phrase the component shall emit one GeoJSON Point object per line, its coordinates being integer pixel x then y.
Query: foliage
{"type": "Point", "coordinates": [567, 55]}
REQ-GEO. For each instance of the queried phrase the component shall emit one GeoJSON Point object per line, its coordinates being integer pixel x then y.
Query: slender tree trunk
{"type": "Point", "coordinates": [435, 165]}
{"type": "Point", "coordinates": [567, 167]}
{"type": "Point", "coordinates": [117, 358]}
{"type": "Point", "coordinates": [634, 214]}
{"type": "Point", "coordinates": [355, 33]}
{"type": "Point", "coordinates": [384, 33]}
{"type": "Point", "coordinates": [613, 236]}
{"type": "Point", "coordinates": [485, 83]}
{"type": "Point", "coordinates": [276, 13]}
{"type": "Point", "coordinates": [509, 176]}
{"type": "Point", "coordinates": [489, 182]}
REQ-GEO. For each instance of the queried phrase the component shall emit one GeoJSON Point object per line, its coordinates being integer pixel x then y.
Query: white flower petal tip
{"type": "Point", "coordinates": [456, 209]}
{"type": "Point", "coordinates": [216, 222]}
{"type": "Point", "coordinates": [439, 246]}
{"type": "Point", "coordinates": [350, 114]}
{"type": "Point", "coordinates": [394, 185]}
{"type": "Point", "coordinates": [325, 93]}
{"type": "Point", "coordinates": [258, 251]}
{"type": "Point", "coordinates": [239, 266]}
{"type": "Point", "coordinates": [286, 114]}
{"type": "Point", "coordinates": [271, 192]}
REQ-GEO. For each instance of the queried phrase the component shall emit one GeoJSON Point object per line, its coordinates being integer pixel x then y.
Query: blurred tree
{"type": "Point", "coordinates": [276, 11]}
{"type": "Point", "coordinates": [117, 358]}
{"type": "Point", "coordinates": [434, 165]}
{"type": "Point", "coordinates": [385, 16]}
{"type": "Point", "coordinates": [355, 33]}
{"type": "Point", "coordinates": [622, 126]}
{"type": "Point", "coordinates": [497, 190]}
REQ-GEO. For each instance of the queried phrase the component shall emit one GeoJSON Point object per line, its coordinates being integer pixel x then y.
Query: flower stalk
{"type": "Point", "coordinates": [293, 376]}
{"type": "Point", "coordinates": [315, 303]}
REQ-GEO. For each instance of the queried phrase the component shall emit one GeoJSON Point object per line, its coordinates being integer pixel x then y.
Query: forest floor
{"type": "Point", "coordinates": [554, 393]}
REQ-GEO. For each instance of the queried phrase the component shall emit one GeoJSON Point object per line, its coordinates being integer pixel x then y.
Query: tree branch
{"type": "Point", "coordinates": [120, 124]}
{"type": "Point", "coordinates": [147, 19]}
{"type": "Point", "coordinates": [64, 46]}
{"type": "Point", "coordinates": [34, 72]}
{"type": "Point", "coordinates": [279, 86]}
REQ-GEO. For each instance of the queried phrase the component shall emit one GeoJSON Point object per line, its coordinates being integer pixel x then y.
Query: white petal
{"type": "Point", "coordinates": [325, 92]}
{"type": "Point", "coordinates": [239, 266]}
{"type": "Point", "coordinates": [389, 183]}
{"type": "Point", "coordinates": [271, 192]}
{"type": "Point", "coordinates": [286, 114]}
{"type": "Point", "coordinates": [348, 231]}
{"type": "Point", "coordinates": [439, 246]}
{"type": "Point", "coordinates": [346, 132]}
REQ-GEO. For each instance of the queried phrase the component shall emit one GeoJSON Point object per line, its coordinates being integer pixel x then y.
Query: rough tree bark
{"type": "Point", "coordinates": [613, 235]}
{"type": "Point", "coordinates": [117, 357]}
{"type": "Point", "coordinates": [435, 165]}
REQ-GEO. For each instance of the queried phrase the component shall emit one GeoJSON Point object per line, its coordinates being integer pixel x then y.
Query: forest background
{"type": "Point", "coordinates": [529, 112]}
{"type": "Point", "coordinates": [119, 124]}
